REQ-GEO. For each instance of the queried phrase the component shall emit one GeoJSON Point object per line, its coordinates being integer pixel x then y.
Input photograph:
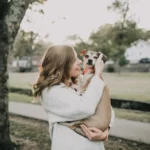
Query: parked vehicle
{"type": "Point", "coordinates": [23, 64]}
{"type": "Point", "coordinates": [144, 60]}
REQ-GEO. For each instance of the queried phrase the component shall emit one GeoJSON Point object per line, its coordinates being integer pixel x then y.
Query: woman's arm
{"type": "Point", "coordinates": [66, 103]}
{"type": "Point", "coordinates": [97, 134]}
{"type": "Point", "coordinates": [94, 134]}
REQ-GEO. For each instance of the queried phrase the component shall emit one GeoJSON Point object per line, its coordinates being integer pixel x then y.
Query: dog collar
{"type": "Point", "coordinates": [86, 70]}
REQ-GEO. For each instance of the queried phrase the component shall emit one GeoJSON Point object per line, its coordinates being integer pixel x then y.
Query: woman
{"type": "Point", "coordinates": [62, 103]}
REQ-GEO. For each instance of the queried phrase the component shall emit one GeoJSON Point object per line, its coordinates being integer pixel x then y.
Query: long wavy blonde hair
{"type": "Point", "coordinates": [55, 67]}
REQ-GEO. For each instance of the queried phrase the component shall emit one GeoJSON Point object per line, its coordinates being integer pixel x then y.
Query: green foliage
{"type": "Point", "coordinates": [74, 37]}
{"type": "Point", "coordinates": [82, 45]}
{"type": "Point", "coordinates": [123, 61]}
{"type": "Point", "coordinates": [113, 40]}
{"type": "Point", "coordinates": [110, 68]}
{"type": "Point", "coordinates": [122, 7]}
{"type": "Point", "coordinates": [28, 43]}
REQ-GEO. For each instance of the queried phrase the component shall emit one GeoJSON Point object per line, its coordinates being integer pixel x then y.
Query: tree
{"type": "Point", "coordinates": [24, 43]}
{"type": "Point", "coordinates": [28, 44]}
{"type": "Point", "coordinates": [82, 45]}
{"type": "Point", "coordinates": [11, 15]}
{"type": "Point", "coordinates": [123, 61]}
{"type": "Point", "coordinates": [113, 41]}
{"type": "Point", "coordinates": [122, 7]}
{"type": "Point", "coordinates": [102, 40]}
{"type": "Point", "coordinates": [74, 37]}
{"type": "Point", "coordinates": [126, 30]}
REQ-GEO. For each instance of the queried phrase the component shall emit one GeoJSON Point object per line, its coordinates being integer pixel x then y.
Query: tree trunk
{"type": "Point", "coordinates": [11, 15]}
{"type": "Point", "coordinates": [5, 142]}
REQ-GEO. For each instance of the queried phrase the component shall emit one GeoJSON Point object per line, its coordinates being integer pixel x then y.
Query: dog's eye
{"type": "Point", "coordinates": [95, 57]}
{"type": "Point", "coordinates": [98, 54]}
{"type": "Point", "coordinates": [86, 56]}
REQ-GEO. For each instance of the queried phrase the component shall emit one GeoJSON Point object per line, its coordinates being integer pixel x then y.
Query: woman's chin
{"type": "Point", "coordinates": [80, 72]}
{"type": "Point", "coordinates": [77, 74]}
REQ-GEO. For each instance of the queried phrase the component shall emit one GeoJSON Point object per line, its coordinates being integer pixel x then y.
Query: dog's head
{"type": "Point", "coordinates": [90, 57]}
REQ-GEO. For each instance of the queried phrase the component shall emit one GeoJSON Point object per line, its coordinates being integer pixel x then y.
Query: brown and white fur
{"type": "Point", "coordinates": [101, 118]}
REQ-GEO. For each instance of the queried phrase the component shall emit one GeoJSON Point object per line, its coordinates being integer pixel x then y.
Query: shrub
{"type": "Point", "coordinates": [110, 68]}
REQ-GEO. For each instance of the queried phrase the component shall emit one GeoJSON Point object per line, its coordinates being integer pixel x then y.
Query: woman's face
{"type": "Point", "coordinates": [75, 70]}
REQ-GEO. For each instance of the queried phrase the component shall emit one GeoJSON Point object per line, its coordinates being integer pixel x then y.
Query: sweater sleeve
{"type": "Point", "coordinates": [62, 101]}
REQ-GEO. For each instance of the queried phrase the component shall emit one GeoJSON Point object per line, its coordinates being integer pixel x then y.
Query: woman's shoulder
{"type": "Point", "coordinates": [55, 89]}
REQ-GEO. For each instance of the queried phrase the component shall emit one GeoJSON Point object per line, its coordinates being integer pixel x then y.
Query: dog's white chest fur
{"type": "Point", "coordinates": [81, 82]}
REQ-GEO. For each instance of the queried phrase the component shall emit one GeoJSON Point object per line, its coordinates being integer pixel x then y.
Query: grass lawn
{"type": "Point", "coordinates": [20, 97]}
{"type": "Point", "coordinates": [33, 134]}
{"type": "Point", "coordinates": [119, 113]}
{"type": "Point", "coordinates": [132, 115]}
{"type": "Point", "coordinates": [132, 86]}
{"type": "Point", "coordinates": [22, 80]}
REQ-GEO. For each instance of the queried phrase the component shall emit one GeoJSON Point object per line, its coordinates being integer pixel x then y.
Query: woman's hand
{"type": "Point", "coordinates": [99, 66]}
{"type": "Point", "coordinates": [94, 133]}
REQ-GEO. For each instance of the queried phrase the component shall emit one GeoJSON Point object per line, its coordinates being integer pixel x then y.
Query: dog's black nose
{"type": "Point", "coordinates": [90, 61]}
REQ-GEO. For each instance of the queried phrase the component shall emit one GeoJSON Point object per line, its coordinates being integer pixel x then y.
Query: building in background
{"type": "Point", "coordinates": [25, 63]}
{"type": "Point", "coordinates": [138, 50]}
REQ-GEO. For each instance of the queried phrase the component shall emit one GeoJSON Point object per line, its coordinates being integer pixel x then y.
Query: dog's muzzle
{"type": "Point", "coordinates": [89, 61]}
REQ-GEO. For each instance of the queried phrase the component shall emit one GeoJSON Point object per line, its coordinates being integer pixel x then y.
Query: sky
{"type": "Point", "coordinates": [81, 17]}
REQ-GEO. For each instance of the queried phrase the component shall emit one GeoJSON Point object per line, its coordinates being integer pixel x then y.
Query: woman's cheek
{"type": "Point", "coordinates": [73, 72]}
{"type": "Point", "coordinates": [78, 72]}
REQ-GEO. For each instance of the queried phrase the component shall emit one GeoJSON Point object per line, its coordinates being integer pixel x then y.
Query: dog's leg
{"type": "Point", "coordinates": [72, 125]}
{"type": "Point", "coordinates": [79, 131]}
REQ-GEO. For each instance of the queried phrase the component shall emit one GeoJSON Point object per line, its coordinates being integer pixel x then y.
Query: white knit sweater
{"type": "Point", "coordinates": [62, 104]}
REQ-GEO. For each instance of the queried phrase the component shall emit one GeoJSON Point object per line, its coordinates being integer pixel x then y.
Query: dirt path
{"type": "Point", "coordinates": [33, 134]}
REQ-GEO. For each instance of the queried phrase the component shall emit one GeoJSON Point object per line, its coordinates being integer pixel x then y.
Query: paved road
{"type": "Point", "coordinates": [133, 130]}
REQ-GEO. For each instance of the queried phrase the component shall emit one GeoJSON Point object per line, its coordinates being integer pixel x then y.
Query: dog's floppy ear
{"type": "Point", "coordinates": [83, 52]}
{"type": "Point", "coordinates": [104, 58]}
{"type": "Point", "coordinates": [98, 53]}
